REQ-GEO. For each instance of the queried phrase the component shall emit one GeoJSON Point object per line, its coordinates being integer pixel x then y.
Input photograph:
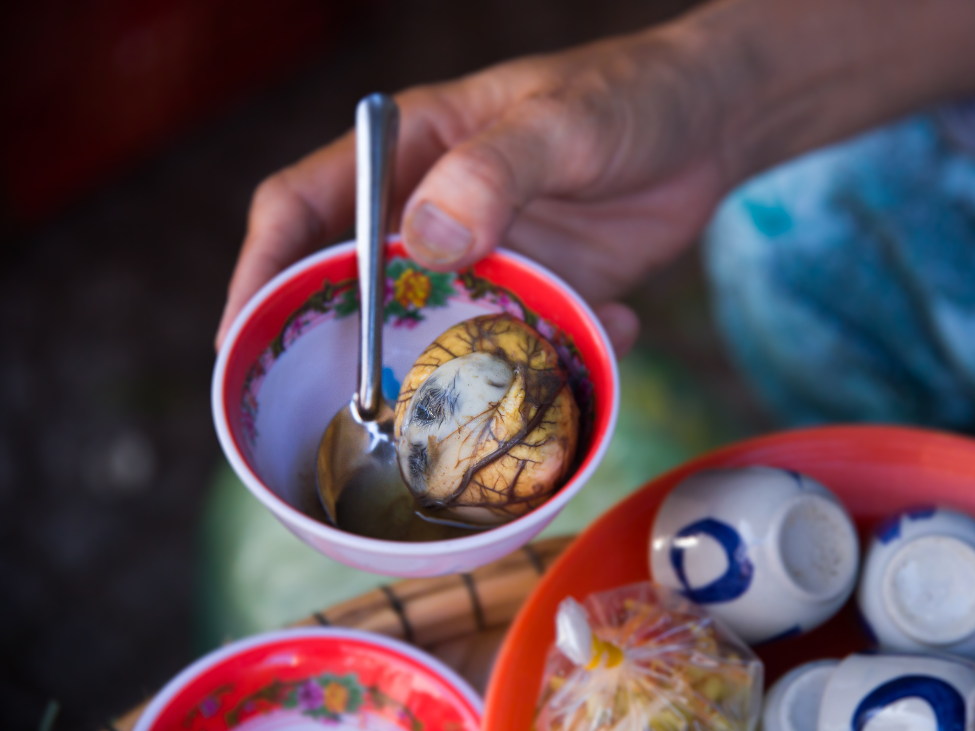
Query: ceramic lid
{"type": "Point", "coordinates": [929, 589]}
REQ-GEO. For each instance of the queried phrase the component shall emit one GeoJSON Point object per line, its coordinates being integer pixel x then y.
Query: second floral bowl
{"type": "Point", "coordinates": [310, 679]}
{"type": "Point", "coordinates": [289, 363]}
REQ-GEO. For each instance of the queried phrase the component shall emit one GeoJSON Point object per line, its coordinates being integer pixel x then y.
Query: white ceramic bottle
{"type": "Point", "coordinates": [770, 552]}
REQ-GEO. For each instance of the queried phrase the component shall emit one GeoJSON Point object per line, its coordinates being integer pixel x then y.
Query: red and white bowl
{"type": "Point", "coordinates": [310, 679]}
{"type": "Point", "coordinates": [289, 364]}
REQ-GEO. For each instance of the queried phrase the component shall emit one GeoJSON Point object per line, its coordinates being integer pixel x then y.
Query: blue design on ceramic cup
{"type": "Point", "coordinates": [944, 699]}
{"type": "Point", "coordinates": [390, 385]}
{"type": "Point", "coordinates": [889, 529]}
{"type": "Point", "coordinates": [922, 512]}
{"type": "Point", "coordinates": [797, 477]}
{"type": "Point", "coordinates": [735, 580]}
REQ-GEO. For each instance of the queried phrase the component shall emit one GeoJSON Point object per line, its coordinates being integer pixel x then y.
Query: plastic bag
{"type": "Point", "coordinates": [643, 658]}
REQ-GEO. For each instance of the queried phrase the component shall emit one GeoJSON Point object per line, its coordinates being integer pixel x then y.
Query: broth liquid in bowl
{"type": "Point", "coordinates": [386, 509]}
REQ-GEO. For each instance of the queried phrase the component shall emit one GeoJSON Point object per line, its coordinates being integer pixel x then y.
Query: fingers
{"type": "Point", "coordinates": [621, 324]}
{"type": "Point", "coordinates": [474, 152]}
{"type": "Point", "coordinates": [304, 206]}
{"type": "Point", "coordinates": [468, 200]}
{"type": "Point", "coordinates": [291, 213]}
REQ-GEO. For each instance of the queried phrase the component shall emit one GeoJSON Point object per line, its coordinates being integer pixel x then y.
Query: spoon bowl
{"type": "Point", "coordinates": [360, 486]}
{"type": "Point", "coordinates": [358, 454]}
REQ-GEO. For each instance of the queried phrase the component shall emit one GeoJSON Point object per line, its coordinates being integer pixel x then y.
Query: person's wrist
{"type": "Point", "coordinates": [670, 85]}
{"type": "Point", "coordinates": [733, 69]}
{"type": "Point", "coordinates": [788, 77]}
{"type": "Point", "coordinates": [792, 75]}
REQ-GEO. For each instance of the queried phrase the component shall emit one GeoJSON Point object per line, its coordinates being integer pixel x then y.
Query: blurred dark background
{"type": "Point", "coordinates": [133, 136]}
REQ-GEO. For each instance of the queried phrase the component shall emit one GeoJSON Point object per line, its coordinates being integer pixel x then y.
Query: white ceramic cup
{"type": "Point", "coordinates": [792, 703]}
{"type": "Point", "coordinates": [770, 552]}
{"type": "Point", "coordinates": [917, 588]}
{"type": "Point", "coordinates": [899, 693]}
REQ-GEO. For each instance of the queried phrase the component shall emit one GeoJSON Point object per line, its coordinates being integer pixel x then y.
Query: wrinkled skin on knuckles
{"type": "Point", "coordinates": [486, 424]}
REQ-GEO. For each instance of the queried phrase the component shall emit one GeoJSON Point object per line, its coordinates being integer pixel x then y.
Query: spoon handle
{"type": "Point", "coordinates": [376, 128]}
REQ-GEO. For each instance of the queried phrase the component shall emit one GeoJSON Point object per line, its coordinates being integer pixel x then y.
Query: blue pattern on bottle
{"type": "Point", "coordinates": [921, 512]}
{"type": "Point", "coordinates": [735, 580]}
{"type": "Point", "coordinates": [889, 529]}
{"type": "Point", "coordinates": [946, 702]}
{"type": "Point", "coordinates": [798, 479]}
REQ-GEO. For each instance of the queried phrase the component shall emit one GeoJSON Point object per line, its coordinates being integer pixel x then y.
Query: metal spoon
{"type": "Point", "coordinates": [357, 474]}
{"type": "Point", "coordinates": [356, 454]}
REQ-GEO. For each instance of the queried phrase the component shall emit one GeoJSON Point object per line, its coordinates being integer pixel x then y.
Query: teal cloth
{"type": "Point", "coordinates": [844, 282]}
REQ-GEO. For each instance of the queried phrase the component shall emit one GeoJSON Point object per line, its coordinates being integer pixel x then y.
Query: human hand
{"type": "Point", "coordinates": [604, 161]}
{"type": "Point", "coordinates": [598, 162]}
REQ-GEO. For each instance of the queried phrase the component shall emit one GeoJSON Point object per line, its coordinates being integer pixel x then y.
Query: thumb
{"type": "Point", "coordinates": [466, 203]}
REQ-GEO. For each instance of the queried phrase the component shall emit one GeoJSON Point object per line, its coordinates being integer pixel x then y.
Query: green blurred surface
{"type": "Point", "coordinates": [665, 419]}
{"type": "Point", "coordinates": [258, 576]}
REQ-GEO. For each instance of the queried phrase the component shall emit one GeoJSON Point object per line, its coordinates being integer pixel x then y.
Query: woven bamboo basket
{"type": "Point", "coordinates": [460, 619]}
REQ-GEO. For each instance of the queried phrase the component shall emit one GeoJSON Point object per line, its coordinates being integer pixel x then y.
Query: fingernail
{"type": "Point", "coordinates": [437, 236]}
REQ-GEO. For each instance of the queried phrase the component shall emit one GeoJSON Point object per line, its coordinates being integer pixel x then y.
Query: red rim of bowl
{"type": "Point", "coordinates": [464, 693]}
{"type": "Point", "coordinates": [528, 271]}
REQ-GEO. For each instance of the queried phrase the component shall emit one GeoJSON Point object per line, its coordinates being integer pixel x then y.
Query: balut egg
{"type": "Point", "coordinates": [486, 424]}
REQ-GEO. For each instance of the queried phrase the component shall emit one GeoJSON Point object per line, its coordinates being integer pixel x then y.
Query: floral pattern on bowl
{"type": "Point", "coordinates": [339, 701]}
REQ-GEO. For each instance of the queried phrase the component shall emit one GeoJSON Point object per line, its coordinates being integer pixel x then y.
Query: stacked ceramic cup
{"type": "Point", "coordinates": [773, 553]}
